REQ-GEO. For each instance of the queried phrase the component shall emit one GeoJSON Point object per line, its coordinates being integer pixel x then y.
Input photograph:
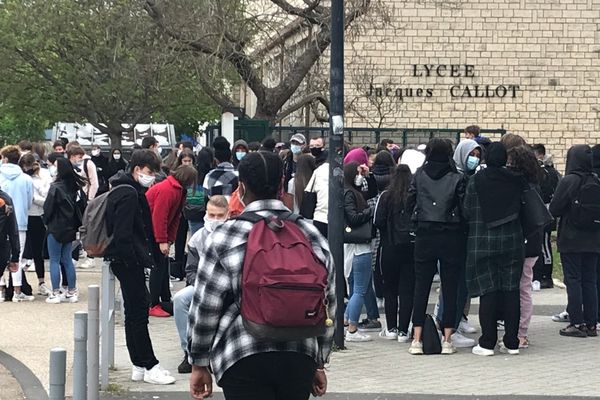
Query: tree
{"type": "Point", "coordinates": [101, 61]}
{"type": "Point", "coordinates": [270, 45]}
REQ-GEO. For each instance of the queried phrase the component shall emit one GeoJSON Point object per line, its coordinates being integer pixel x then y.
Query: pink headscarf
{"type": "Point", "coordinates": [357, 155]}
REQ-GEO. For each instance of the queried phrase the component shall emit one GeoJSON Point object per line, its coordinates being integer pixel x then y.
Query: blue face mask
{"type": "Point", "coordinates": [296, 149]}
{"type": "Point", "coordinates": [472, 163]}
{"type": "Point", "coordinates": [239, 155]}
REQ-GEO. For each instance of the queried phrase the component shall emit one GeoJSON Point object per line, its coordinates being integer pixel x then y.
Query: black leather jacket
{"type": "Point", "coordinates": [436, 200]}
{"type": "Point", "coordinates": [352, 215]}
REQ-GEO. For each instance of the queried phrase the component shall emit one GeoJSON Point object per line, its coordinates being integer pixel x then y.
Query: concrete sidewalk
{"type": "Point", "coordinates": [553, 366]}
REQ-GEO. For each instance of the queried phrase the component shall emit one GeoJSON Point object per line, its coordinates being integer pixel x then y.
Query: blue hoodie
{"type": "Point", "coordinates": [19, 186]}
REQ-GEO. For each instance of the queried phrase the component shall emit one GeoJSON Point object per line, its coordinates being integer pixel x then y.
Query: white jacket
{"type": "Point", "coordinates": [41, 185]}
{"type": "Point", "coordinates": [319, 183]}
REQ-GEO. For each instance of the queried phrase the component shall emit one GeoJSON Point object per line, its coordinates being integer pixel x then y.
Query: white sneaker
{"type": "Point", "coordinates": [357, 337]}
{"type": "Point", "coordinates": [480, 351]}
{"type": "Point", "coordinates": [158, 376]}
{"type": "Point", "coordinates": [54, 298]}
{"type": "Point", "coordinates": [466, 327]}
{"type": "Point", "coordinates": [70, 297]}
{"type": "Point", "coordinates": [2, 298]}
{"type": "Point", "coordinates": [504, 350]}
{"type": "Point", "coordinates": [416, 348]}
{"type": "Point", "coordinates": [87, 264]}
{"type": "Point", "coordinates": [500, 325]}
{"type": "Point", "coordinates": [17, 298]}
{"type": "Point", "coordinates": [536, 285]}
{"type": "Point", "coordinates": [561, 317]}
{"type": "Point", "coordinates": [403, 337]}
{"type": "Point", "coordinates": [137, 373]}
{"type": "Point", "coordinates": [448, 348]}
{"type": "Point", "coordinates": [44, 290]}
{"type": "Point", "coordinates": [390, 335]}
{"type": "Point", "coordinates": [460, 341]}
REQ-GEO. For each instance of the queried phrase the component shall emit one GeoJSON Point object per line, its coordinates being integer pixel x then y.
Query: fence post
{"type": "Point", "coordinates": [93, 370]}
{"type": "Point", "coordinates": [80, 356]}
{"type": "Point", "coordinates": [107, 328]}
{"type": "Point", "coordinates": [58, 370]}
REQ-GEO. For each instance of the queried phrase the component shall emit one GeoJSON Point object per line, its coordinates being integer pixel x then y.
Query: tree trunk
{"type": "Point", "coordinates": [115, 139]}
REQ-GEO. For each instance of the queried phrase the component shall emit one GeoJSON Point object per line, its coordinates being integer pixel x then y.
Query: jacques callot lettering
{"type": "Point", "coordinates": [455, 91]}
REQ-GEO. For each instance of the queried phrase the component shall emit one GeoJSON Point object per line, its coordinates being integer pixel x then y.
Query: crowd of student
{"type": "Point", "coordinates": [466, 215]}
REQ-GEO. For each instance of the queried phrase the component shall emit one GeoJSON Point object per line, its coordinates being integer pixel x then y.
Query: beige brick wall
{"type": "Point", "coordinates": [550, 48]}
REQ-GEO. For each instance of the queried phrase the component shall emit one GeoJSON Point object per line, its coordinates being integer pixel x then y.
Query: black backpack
{"type": "Point", "coordinates": [431, 338]}
{"type": "Point", "coordinates": [585, 212]}
{"type": "Point", "coordinates": [549, 183]}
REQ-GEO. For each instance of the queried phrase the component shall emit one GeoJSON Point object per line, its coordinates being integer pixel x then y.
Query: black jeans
{"type": "Point", "coordinates": [509, 305]}
{"type": "Point", "coordinates": [270, 376]}
{"type": "Point", "coordinates": [135, 304]}
{"type": "Point", "coordinates": [398, 271]}
{"type": "Point", "coordinates": [542, 269]}
{"type": "Point", "coordinates": [580, 279]}
{"type": "Point", "coordinates": [448, 248]}
{"type": "Point", "coordinates": [159, 280]}
{"type": "Point", "coordinates": [321, 227]}
{"type": "Point", "coordinates": [34, 245]}
{"type": "Point", "coordinates": [181, 239]}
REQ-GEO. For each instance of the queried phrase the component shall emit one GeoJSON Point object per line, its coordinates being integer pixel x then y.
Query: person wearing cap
{"type": "Point", "coordinates": [297, 145]}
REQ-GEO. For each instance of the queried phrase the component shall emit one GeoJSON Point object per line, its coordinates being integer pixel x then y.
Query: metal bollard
{"type": "Point", "coordinates": [80, 356]}
{"type": "Point", "coordinates": [93, 343]}
{"type": "Point", "coordinates": [107, 325]}
{"type": "Point", "coordinates": [58, 370]}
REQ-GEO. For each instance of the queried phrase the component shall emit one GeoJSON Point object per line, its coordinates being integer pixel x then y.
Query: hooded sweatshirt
{"type": "Point", "coordinates": [19, 186]}
{"type": "Point", "coordinates": [570, 238]}
{"type": "Point", "coordinates": [461, 154]}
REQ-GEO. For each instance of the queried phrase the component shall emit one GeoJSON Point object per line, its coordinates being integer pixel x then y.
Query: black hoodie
{"type": "Point", "coordinates": [128, 218]}
{"type": "Point", "coordinates": [571, 239]}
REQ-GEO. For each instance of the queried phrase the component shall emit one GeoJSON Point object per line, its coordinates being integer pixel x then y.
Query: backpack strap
{"type": "Point", "coordinates": [254, 217]}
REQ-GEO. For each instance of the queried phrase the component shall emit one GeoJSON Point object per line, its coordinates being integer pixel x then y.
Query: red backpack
{"type": "Point", "coordinates": [283, 282]}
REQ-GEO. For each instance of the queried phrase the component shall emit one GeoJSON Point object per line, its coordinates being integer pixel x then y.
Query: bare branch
{"type": "Point", "coordinates": [306, 13]}
{"type": "Point", "coordinates": [308, 99]}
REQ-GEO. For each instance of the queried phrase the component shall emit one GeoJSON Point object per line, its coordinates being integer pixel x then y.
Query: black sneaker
{"type": "Point", "coordinates": [546, 283]}
{"type": "Point", "coordinates": [185, 367]}
{"type": "Point", "coordinates": [592, 331]}
{"type": "Point", "coordinates": [369, 325]}
{"type": "Point", "coordinates": [574, 331]}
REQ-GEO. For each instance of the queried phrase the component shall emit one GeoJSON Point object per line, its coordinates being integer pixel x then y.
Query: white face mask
{"type": "Point", "coordinates": [95, 153]}
{"type": "Point", "coordinates": [212, 224]}
{"type": "Point", "coordinates": [358, 181]}
{"type": "Point", "coordinates": [117, 156]}
{"type": "Point", "coordinates": [146, 180]}
{"type": "Point", "coordinates": [52, 170]}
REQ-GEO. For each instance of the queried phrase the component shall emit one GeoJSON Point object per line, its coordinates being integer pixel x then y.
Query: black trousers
{"type": "Point", "coordinates": [490, 304]}
{"type": "Point", "coordinates": [321, 227]}
{"type": "Point", "coordinates": [582, 291]}
{"type": "Point", "coordinates": [542, 270]}
{"type": "Point", "coordinates": [447, 247]}
{"type": "Point", "coordinates": [135, 304]}
{"type": "Point", "coordinates": [398, 272]}
{"type": "Point", "coordinates": [34, 245]}
{"type": "Point", "coordinates": [270, 376]}
{"type": "Point", "coordinates": [159, 280]}
{"type": "Point", "coordinates": [181, 239]}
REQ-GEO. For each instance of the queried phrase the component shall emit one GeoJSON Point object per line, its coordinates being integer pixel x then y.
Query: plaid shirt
{"type": "Point", "coordinates": [216, 333]}
{"type": "Point", "coordinates": [222, 180]}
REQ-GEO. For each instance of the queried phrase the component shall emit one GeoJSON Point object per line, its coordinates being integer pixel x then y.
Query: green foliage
{"type": "Point", "coordinates": [104, 62]}
{"type": "Point", "coordinates": [14, 128]}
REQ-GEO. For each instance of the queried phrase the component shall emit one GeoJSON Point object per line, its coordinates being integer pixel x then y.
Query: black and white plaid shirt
{"type": "Point", "coordinates": [222, 180]}
{"type": "Point", "coordinates": [216, 333]}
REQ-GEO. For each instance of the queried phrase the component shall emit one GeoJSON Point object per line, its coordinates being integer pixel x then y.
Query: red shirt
{"type": "Point", "coordinates": [166, 200]}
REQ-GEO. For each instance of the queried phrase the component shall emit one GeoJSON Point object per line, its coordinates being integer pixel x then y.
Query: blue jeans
{"type": "Point", "coordinates": [181, 309]}
{"type": "Point", "coordinates": [195, 226]}
{"type": "Point", "coordinates": [370, 299]}
{"type": "Point", "coordinates": [362, 275]}
{"type": "Point", "coordinates": [60, 253]}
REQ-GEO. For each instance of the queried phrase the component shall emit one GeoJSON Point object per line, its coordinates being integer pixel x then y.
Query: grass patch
{"type": "Point", "coordinates": [114, 388]}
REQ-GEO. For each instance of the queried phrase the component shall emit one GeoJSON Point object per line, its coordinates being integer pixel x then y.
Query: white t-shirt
{"type": "Point", "coordinates": [319, 183]}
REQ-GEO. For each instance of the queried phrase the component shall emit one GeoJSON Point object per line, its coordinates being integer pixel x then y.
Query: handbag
{"type": "Point", "coordinates": [359, 234]}
{"type": "Point", "coordinates": [534, 214]}
{"type": "Point", "coordinates": [431, 338]}
{"type": "Point", "coordinates": [309, 203]}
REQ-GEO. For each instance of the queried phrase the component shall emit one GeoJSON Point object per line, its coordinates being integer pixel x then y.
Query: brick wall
{"type": "Point", "coordinates": [549, 48]}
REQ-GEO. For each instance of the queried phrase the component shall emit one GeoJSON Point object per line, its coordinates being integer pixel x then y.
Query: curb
{"type": "Point", "coordinates": [30, 385]}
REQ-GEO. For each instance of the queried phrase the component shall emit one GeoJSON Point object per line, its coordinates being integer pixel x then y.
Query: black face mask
{"type": "Point", "coordinates": [316, 151]}
{"type": "Point", "coordinates": [29, 172]}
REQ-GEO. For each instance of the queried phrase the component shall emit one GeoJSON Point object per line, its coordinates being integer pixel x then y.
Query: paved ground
{"type": "Point", "coordinates": [9, 387]}
{"type": "Point", "coordinates": [553, 366]}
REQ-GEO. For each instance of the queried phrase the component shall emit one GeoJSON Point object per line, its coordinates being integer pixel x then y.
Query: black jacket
{"type": "Point", "coordinates": [394, 222]}
{"type": "Point", "coordinates": [436, 202]}
{"type": "Point", "coordinates": [9, 231]}
{"type": "Point", "coordinates": [353, 216]}
{"type": "Point", "coordinates": [128, 219]}
{"type": "Point", "coordinates": [61, 215]}
{"type": "Point", "coordinates": [571, 239]}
